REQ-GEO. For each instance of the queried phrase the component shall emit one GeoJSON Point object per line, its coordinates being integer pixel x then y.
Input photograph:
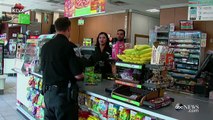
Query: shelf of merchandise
{"type": "Point", "coordinates": [138, 109]}
{"type": "Point", "coordinates": [185, 71]}
{"type": "Point", "coordinates": [162, 31]}
{"type": "Point", "coordinates": [187, 47]}
{"type": "Point", "coordinates": [130, 83]}
{"type": "Point", "coordinates": [24, 112]}
{"type": "Point", "coordinates": [36, 74]}
{"type": "Point", "coordinates": [168, 113]}
{"type": "Point", "coordinates": [181, 75]}
{"type": "Point", "coordinates": [126, 83]}
{"type": "Point", "coordinates": [162, 36]}
{"type": "Point", "coordinates": [178, 91]}
{"type": "Point", "coordinates": [128, 65]}
{"type": "Point", "coordinates": [84, 107]}
{"type": "Point", "coordinates": [183, 84]}
{"type": "Point", "coordinates": [189, 68]}
{"type": "Point", "coordinates": [24, 71]}
{"type": "Point", "coordinates": [126, 100]}
{"type": "Point", "coordinates": [188, 54]}
{"type": "Point", "coordinates": [181, 62]}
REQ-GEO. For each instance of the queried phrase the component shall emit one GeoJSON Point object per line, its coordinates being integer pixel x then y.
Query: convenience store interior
{"type": "Point", "coordinates": [146, 22]}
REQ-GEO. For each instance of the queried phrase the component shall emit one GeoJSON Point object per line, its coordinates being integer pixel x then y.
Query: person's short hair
{"type": "Point", "coordinates": [62, 24]}
{"type": "Point", "coordinates": [122, 30]}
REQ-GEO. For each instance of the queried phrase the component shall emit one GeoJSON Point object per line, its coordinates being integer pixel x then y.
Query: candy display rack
{"type": "Point", "coordinates": [130, 79]}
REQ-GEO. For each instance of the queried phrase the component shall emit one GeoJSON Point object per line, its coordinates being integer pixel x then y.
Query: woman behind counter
{"type": "Point", "coordinates": [102, 54]}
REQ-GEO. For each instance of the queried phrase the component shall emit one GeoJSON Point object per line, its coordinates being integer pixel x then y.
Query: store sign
{"type": "Point", "coordinates": [16, 18]}
{"type": "Point", "coordinates": [200, 10]}
{"type": "Point", "coordinates": [18, 8]}
{"type": "Point", "coordinates": [81, 21]}
{"type": "Point", "coordinates": [186, 25]}
{"type": "Point", "coordinates": [33, 37]}
{"type": "Point", "coordinates": [195, 3]}
{"type": "Point", "coordinates": [24, 19]}
{"type": "Point", "coordinates": [205, 13]}
{"type": "Point", "coordinates": [15, 10]}
{"type": "Point", "coordinates": [76, 8]}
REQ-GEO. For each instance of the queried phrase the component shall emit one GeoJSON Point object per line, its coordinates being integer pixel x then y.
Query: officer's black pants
{"type": "Point", "coordinates": [58, 107]}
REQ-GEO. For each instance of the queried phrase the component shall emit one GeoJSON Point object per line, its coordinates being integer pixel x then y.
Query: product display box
{"type": "Point", "coordinates": [133, 95]}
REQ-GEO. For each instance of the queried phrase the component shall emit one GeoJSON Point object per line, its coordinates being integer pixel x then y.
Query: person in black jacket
{"type": "Point", "coordinates": [103, 51]}
{"type": "Point", "coordinates": [60, 67]}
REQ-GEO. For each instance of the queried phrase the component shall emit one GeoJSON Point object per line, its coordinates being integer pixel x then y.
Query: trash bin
{"type": "Point", "coordinates": [2, 83]}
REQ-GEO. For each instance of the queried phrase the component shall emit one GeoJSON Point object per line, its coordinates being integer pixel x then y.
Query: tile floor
{"type": "Point", "coordinates": [8, 101]}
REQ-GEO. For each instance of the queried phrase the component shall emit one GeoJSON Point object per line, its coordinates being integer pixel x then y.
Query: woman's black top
{"type": "Point", "coordinates": [101, 61]}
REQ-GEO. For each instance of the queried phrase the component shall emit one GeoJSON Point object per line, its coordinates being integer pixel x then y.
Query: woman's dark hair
{"type": "Point", "coordinates": [107, 42]}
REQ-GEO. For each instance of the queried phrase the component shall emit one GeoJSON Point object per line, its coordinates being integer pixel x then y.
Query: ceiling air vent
{"type": "Point", "coordinates": [117, 2]}
{"type": "Point", "coordinates": [54, 1]}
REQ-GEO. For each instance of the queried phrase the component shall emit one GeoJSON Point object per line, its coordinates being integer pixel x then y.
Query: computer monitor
{"type": "Point", "coordinates": [87, 51]}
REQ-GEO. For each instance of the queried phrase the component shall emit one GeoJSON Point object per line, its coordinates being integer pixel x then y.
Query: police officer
{"type": "Point", "coordinates": [61, 70]}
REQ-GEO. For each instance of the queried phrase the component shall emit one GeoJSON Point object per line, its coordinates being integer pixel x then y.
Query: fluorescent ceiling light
{"type": "Point", "coordinates": [60, 10]}
{"type": "Point", "coordinates": [153, 10]}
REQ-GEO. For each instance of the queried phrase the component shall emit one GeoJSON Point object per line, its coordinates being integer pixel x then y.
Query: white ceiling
{"type": "Point", "coordinates": [57, 5]}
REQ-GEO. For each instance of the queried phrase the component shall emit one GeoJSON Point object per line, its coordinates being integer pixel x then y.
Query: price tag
{"type": "Point", "coordinates": [92, 98]}
{"type": "Point", "coordinates": [133, 112]}
{"type": "Point", "coordinates": [147, 118]}
{"type": "Point", "coordinates": [101, 102]}
{"type": "Point", "coordinates": [110, 105]}
{"type": "Point", "coordinates": [121, 108]}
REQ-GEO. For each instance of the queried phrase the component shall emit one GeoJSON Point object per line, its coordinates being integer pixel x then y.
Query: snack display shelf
{"type": "Point", "coordinates": [185, 41]}
{"type": "Point", "coordinates": [177, 50]}
{"type": "Point", "coordinates": [84, 107]}
{"type": "Point", "coordinates": [190, 63]}
{"type": "Point", "coordinates": [181, 75]}
{"type": "Point", "coordinates": [36, 74]}
{"type": "Point", "coordinates": [24, 112]}
{"type": "Point", "coordinates": [16, 70]}
{"type": "Point", "coordinates": [128, 65]}
{"type": "Point", "coordinates": [188, 57]}
{"type": "Point", "coordinates": [190, 68]}
{"type": "Point", "coordinates": [187, 47]}
{"type": "Point", "coordinates": [126, 83]}
{"type": "Point", "coordinates": [163, 31]}
{"type": "Point", "coordinates": [183, 84]}
{"type": "Point", "coordinates": [167, 113]}
{"type": "Point", "coordinates": [162, 38]}
{"type": "Point", "coordinates": [184, 38]}
{"type": "Point", "coordinates": [156, 86]}
{"type": "Point", "coordinates": [185, 71]}
{"type": "Point", "coordinates": [137, 103]}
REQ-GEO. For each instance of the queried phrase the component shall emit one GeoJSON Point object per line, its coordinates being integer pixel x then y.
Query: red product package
{"type": "Point", "coordinates": [103, 108]}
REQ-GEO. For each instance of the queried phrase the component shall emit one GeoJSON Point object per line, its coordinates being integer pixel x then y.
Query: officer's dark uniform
{"type": "Point", "coordinates": [104, 67]}
{"type": "Point", "coordinates": [59, 65]}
